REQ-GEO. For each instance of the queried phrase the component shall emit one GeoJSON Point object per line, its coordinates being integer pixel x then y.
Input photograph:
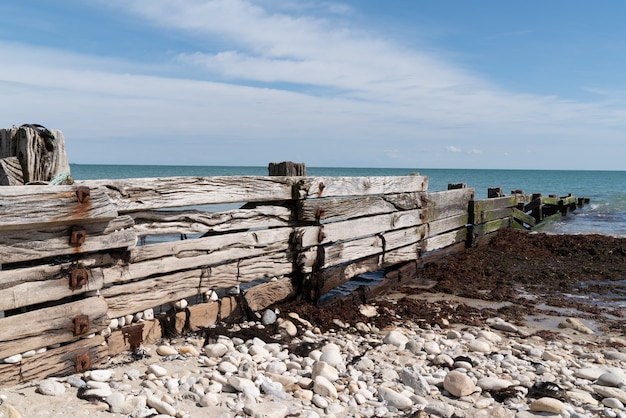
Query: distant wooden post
{"type": "Point", "coordinates": [27, 156]}
{"type": "Point", "coordinates": [453, 186]}
{"type": "Point", "coordinates": [493, 192]}
{"type": "Point", "coordinates": [287, 168]}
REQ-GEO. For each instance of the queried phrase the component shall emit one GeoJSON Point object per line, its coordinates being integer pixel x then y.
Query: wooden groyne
{"type": "Point", "coordinates": [91, 269]}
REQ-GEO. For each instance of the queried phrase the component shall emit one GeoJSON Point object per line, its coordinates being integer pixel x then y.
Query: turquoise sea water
{"type": "Point", "coordinates": [607, 189]}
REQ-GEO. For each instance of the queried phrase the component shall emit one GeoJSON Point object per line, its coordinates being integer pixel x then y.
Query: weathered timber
{"type": "Point", "coordinates": [267, 294]}
{"type": "Point", "coordinates": [28, 208]}
{"type": "Point", "coordinates": [198, 222]}
{"type": "Point", "coordinates": [523, 217]}
{"type": "Point", "coordinates": [442, 253]}
{"type": "Point", "coordinates": [40, 161]}
{"type": "Point", "coordinates": [189, 254]}
{"type": "Point", "coordinates": [447, 224]}
{"type": "Point", "coordinates": [286, 168]}
{"type": "Point", "coordinates": [491, 226]}
{"type": "Point", "coordinates": [331, 278]}
{"type": "Point", "coordinates": [312, 187]}
{"type": "Point", "coordinates": [348, 251]}
{"type": "Point", "coordinates": [491, 215]}
{"type": "Point", "coordinates": [477, 207]}
{"type": "Point", "coordinates": [117, 343]}
{"type": "Point", "coordinates": [63, 361]}
{"type": "Point", "coordinates": [443, 240]}
{"type": "Point", "coordinates": [361, 227]}
{"type": "Point", "coordinates": [403, 237]}
{"type": "Point", "coordinates": [11, 172]}
{"type": "Point", "coordinates": [402, 254]}
{"type": "Point", "coordinates": [448, 203]}
{"type": "Point", "coordinates": [333, 209]}
{"type": "Point", "coordinates": [132, 195]}
{"type": "Point", "coordinates": [19, 246]}
{"type": "Point", "coordinates": [26, 293]}
{"type": "Point", "coordinates": [10, 375]}
{"type": "Point", "coordinates": [48, 326]}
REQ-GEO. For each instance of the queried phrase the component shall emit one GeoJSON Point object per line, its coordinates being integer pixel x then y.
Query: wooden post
{"type": "Point", "coordinates": [494, 192]}
{"type": "Point", "coordinates": [41, 154]}
{"type": "Point", "coordinates": [287, 168]}
{"type": "Point", "coordinates": [453, 186]}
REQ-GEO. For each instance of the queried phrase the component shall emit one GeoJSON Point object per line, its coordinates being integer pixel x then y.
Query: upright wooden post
{"type": "Point", "coordinates": [493, 192]}
{"type": "Point", "coordinates": [454, 186]}
{"type": "Point", "coordinates": [40, 152]}
{"type": "Point", "coordinates": [287, 168]}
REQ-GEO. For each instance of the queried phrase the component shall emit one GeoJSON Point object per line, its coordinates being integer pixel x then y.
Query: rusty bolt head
{"type": "Point", "coordinates": [78, 278]}
{"type": "Point", "coordinates": [83, 362]}
{"type": "Point", "coordinates": [82, 193]}
{"type": "Point", "coordinates": [78, 234]}
{"type": "Point", "coordinates": [81, 325]}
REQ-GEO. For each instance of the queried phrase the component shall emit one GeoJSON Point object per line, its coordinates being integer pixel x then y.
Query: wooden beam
{"type": "Point", "coordinates": [317, 187]}
{"type": "Point", "coordinates": [448, 203]}
{"type": "Point", "coordinates": [132, 195]}
{"type": "Point", "coordinates": [198, 222]}
{"type": "Point", "coordinates": [49, 326]}
{"type": "Point", "coordinates": [523, 217]}
{"type": "Point", "coordinates": [446, 239]}
{"type": "Point", "coordinates": [267, 294]}
{"type": "Point", "coordinates": [33, 207]}
{"type": "Point", "coordinates": [19, 246]}
{"type": "Point", "coordinates": [334, 209]}
{"type": "Point", "coordinates": [11, 172]}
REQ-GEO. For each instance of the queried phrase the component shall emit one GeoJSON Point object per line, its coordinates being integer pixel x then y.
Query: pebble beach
{"type": "Point", "coordinates": [352, 370]}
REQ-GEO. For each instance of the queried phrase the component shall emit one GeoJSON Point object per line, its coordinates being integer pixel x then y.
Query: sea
{"type": "Point", "coordinates": [605, 214]}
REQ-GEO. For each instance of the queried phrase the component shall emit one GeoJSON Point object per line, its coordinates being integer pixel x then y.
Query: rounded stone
{"type": "Point", "coordinates": [613, 403]}
{"type": "Point", "coordinates": [479, 346]}
{"type": "Point", "coordinates": [51, 387]}
{"type": "Point", "coordinates": [395, 399]}
{"type": "Point", "coordinates": [100, 375]}
{"type": "Point", "coordinates": [324, 387]}
{"type": "Point", "coordinates": [610, 379]}
{"type": "Point", "coordinates": [458, 384]}
{"type": "Point", "coordinates": [215, 350]}
{"type": "Point", "coordinates": [547, 405]}
{"type": "Point", "coordinates": [157, 370]}
{"type": "Point", "coordinates": [166, 350]}
{"type": "Point", "coordinates": [269, 317]}
{"type": "Point", "coordinates": [396, 338]}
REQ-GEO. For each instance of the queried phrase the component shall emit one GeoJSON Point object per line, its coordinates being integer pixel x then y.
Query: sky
{"type": "Point", "coordinates": [356, 83]}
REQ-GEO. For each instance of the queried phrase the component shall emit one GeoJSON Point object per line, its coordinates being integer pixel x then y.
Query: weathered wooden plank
{"type": "Point", "coordinates": [28, 293]}
{"type": "Point", "coordinates": [32, 207]}
{"type": "Point", "coordinates": [267, 294]}
{"type": "Point", "coordinates": [18, 246]}
{"type": "Point", "coordinates": [11, 172]}
{"type": "Point", "coordinates": [117, 343]}
{"type": "Point", "coordinates": [331, 278]}
{"type": "Point", "coordinates": [443, 240]}
{"type": "Point", "coordinates": [402, 254]}
{"type": "Point", "coordinates": [199, 222]}
{"type": "Point", "coordinates": [442, 253]}
{"type": "Point", "coordinates": [479, 206]}
{"type": "Point", "coordinates": [131, 195]}
{"type": "Point", "coordinates": [354, 228]}
{"type": "Point", "coordinates": [491, 226]}
{"type": "Point", "coordinates": [349, 251]}
{"type": "Point", "coordinates": [48, 326]}
{"type": "Point", "coordinates": [523, 217]}
{"type": "Point", "coordinates": [492, 215]}
{"type": "Point", "coordinates": [10, 375]}
{"type": "Point", "coordinates": [403, 237]}
{"type": "Point", "coordinates": [317, 187]}
{"type": "Point", "coordinates": [448, 203]}
{"type": "Point", "coordinates": [189, 254]}
{"type": "Point", "coordinates": [333, 209]}
{"type": "Point", "coordinates": [43, 272]}
{"type": "Point", "coordinates": [62, 361]}
{"type": "Point", "coordinates": [447, 224]}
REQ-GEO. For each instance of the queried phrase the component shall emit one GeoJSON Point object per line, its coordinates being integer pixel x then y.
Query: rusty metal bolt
{"type": "Point", "coordinates": [78, 234]}
{"type": "Point", "coordinates": [83, 362]}
{"type": "Point", "coordinates": [78, 278]}
{"type": "Point", "coordinates": [81, 325]}
{"type": "Point", "coordinates": [82, 193]}
{"type": "Point", "coordinates": [320, 189]}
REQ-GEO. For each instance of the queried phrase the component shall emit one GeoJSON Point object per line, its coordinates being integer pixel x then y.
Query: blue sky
{"type": "Point", "coordinates": [359, 83]}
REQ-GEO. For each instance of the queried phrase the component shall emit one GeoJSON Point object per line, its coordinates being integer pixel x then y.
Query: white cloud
{"type": "Point", "coordinates": [315, 84]}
